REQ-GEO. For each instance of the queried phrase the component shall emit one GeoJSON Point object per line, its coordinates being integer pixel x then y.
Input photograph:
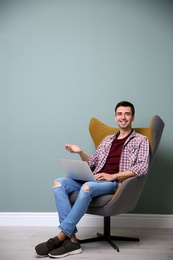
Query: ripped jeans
{"type": "Point", "coordinates": [70, 215]}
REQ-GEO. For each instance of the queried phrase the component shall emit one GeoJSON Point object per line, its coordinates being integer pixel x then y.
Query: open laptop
{"type": "Point", "coordinates": [77, 170]}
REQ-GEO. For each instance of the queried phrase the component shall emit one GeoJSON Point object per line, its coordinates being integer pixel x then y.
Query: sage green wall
{"type": "Point", "coordinates": [62, 62]}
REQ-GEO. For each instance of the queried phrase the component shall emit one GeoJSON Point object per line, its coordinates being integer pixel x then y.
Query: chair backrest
{"type": "Point", "coordinates": [124, 199]}
{"type": "Point", "coordinates": [99, 130]}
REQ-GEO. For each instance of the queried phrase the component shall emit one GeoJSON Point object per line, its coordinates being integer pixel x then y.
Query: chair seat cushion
{"type": "Point", "coordinates": [98, 201]}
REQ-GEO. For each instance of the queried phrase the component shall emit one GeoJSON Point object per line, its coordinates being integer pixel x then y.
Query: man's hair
{"type": "Point", "coordinates": [125, 104]}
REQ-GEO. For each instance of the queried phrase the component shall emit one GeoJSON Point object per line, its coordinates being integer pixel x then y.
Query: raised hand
{"type": "Point", "coordinates": [72, 148]}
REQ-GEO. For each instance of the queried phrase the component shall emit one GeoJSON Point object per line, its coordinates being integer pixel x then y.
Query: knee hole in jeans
{"type": "Point", "coordinates": [56, 184]}
{"type": "Point", "coordinates": [85, 187]}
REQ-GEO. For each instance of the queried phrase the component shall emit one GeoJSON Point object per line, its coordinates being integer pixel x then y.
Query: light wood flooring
{"type": "Point", "coordinates": [17, 243]}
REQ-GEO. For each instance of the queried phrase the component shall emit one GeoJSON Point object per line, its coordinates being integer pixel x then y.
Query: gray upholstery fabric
{"type": "Point", "coordinates": [157, 130]}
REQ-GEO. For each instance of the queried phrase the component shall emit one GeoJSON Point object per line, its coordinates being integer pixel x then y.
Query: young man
{"type": "Point", "coordinates": [122, 155]}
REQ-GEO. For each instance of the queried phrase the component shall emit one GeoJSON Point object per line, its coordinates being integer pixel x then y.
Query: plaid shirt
{"type": "Point", "coordinates": [134, 156]}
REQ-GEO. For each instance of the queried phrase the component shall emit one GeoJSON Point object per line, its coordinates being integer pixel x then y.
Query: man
{"type": "Point", "coordinates": [122, 155]}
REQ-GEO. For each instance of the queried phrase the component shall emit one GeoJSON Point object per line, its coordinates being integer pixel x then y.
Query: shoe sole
{"type": "Point", "coordinates": [41, 256]}
{"type": "Point", "coordinates": [74, 252]}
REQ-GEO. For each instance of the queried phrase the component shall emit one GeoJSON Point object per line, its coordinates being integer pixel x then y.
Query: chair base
{"type": "Point", "coordinates": [107, 237]}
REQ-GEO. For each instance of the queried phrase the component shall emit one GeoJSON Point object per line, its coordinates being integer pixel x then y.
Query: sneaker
{"type": "Point", "coordinates": [67, 248]}
{"type": "Point", "coordinates": [44, 248]}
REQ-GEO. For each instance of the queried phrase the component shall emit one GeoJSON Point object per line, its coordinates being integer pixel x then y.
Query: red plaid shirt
{"type": "Point", "coordinates": [134, 156]}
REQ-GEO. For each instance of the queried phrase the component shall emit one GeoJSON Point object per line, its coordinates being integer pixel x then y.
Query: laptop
{"type": "Point", "coordinates": [77, 170]}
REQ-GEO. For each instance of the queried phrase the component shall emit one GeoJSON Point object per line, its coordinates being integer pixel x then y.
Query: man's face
{"type": "Point", "coordinates": [124, 117]}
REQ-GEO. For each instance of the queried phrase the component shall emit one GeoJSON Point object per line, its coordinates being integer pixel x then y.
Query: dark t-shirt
{"type": "Point", "coordinates": [112, 163]}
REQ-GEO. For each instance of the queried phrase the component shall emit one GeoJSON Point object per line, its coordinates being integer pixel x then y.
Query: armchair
{"type": "Point", "coordinates": [124, 200]}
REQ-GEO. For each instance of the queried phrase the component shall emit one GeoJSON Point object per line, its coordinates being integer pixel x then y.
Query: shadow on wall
{"type": "Point", "coordinates": [157, 194]}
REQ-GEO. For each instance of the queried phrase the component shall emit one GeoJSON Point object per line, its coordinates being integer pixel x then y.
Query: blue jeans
{"type": "Point", "coordinates": [70, 215]}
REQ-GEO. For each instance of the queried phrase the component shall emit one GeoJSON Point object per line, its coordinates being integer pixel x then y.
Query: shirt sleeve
{"type": "Point", "coordinates": [141, 165]}
{"type": "Point", "coordinates": [98, 159]}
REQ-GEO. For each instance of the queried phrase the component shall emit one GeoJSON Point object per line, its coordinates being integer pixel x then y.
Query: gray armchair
{"type": "Point", "coordinates": [124, 200]}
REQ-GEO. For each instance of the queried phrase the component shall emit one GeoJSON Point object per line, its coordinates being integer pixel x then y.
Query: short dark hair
{"type": "Point", "coordinates": [125, 104]}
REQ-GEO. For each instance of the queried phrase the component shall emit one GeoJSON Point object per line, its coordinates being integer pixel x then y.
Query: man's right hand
{"type": "Point", "coordinates": [72, 148]}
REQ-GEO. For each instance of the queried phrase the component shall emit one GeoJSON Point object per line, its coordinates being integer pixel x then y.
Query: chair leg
{"type": "Point", "coordinates": [107, 237]}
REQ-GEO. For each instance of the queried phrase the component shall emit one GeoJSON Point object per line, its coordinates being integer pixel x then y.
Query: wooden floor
{"type": "Point", "coordinates": [17, 243]}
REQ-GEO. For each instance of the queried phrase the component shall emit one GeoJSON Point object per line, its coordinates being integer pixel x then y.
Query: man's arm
{"type": "Point", "coordinates": [120, 176]}
{"type": "Point", "coordinates": [124, 175]}
{"type": "Point", "coordinates": [76, 149]}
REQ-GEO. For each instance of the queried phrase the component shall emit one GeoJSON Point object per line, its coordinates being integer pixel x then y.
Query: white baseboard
{"type": "Point", "coordinates": [51, 219]}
